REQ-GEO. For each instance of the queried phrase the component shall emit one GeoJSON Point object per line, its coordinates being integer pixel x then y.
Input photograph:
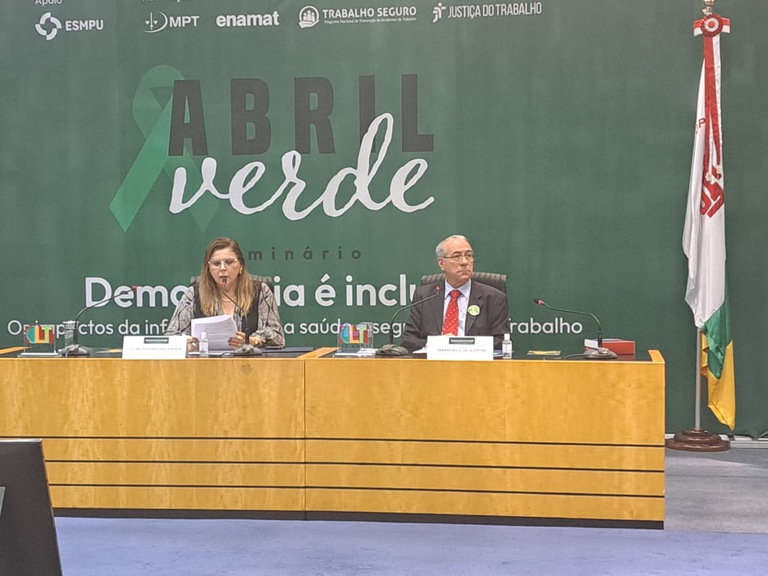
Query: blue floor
{"type": "Point", "coordinates": [122, 547]}
{"type": "Point", "coordinates": [716, 525]}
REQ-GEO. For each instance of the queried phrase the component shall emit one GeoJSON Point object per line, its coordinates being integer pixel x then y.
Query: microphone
{"type": "Point", "coordinates": [246, 349]}
{"type": "Point", "coordinates": [75, 349]}
{"type": "Point", "coordinates": [599, 353]}
{"type": "Point", "coordinates": [389, 350]}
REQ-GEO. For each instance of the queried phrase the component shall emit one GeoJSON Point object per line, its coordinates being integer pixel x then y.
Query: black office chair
{"type": "Point", "coordinates": [498, 281]}
{"type": "Point", "coordinates": [265, 279]}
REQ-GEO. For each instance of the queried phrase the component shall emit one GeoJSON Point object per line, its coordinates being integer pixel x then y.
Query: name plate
{"type": "Point", "coordinates": [155, 347]}
{"type": "Point", "coordinates": [459, 347]}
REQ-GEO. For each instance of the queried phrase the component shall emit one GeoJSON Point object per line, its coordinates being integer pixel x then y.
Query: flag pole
{"type": "Point", "coordinates": [697, 439]}
{"type": "Point", "coordinates": [697, 415]}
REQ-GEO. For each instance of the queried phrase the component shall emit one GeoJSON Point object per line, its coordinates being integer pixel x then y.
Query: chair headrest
{"type": "Point", "coordinates": [494, 279]}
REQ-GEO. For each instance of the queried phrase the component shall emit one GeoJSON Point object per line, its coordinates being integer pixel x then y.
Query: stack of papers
{"type": "Point", "coordinates": [219, 330]}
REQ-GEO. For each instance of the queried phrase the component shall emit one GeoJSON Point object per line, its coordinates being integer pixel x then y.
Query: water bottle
{"type": "Point", "coordinates": [203, 345]}
{"type": "Point", "coordinates": [506, 348]}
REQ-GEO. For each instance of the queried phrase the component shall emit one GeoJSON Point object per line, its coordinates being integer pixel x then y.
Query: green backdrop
{"type": "Point", "coordinates": [557, 135]}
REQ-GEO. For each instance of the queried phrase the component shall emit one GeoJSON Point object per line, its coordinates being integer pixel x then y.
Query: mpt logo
{"type": "Point", "coordinates": [159, 21]}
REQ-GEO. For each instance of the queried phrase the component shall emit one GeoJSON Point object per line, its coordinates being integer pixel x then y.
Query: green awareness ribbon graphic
{"type": "Point", "coordinates": [153, 119]}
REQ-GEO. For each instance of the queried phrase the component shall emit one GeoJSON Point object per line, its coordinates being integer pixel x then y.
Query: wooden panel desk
{"type": "Point", "coordinates": [195, 434]}
{"type": "Point", "coordinates": [553, 441]}
{"type": "Point", "coordinates": [541, 441]}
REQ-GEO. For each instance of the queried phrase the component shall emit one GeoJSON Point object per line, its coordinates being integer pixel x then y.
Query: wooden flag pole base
{"type": "Point", "coordinates": [697, 440]}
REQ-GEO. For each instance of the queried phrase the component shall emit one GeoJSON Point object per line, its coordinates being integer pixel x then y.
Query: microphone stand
{"type": "Point", "coordinates": [598, 353]}
{"type": "Point", "coordinates": [392, 350]}
{"type": "Point", "coordinates": [74, 350]}
{"type": "Point", "coordinates": [246, 349]}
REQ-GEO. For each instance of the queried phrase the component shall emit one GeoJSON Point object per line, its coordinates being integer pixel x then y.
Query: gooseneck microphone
{"type": "Point", "coordinates": [599, 353]}
{"type": "Point", "coordinates": [75, 349]}
{"type": "Point", "coordinates": [391, 349]}
{"type": "Point", "coordinates": [247, 349]}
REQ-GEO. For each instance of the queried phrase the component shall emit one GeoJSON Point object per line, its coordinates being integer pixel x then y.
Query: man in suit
{"type": "Point", "coordinates": [466, 308]}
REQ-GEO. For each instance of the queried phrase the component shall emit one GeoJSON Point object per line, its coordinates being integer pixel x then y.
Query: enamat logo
{"type": "Point", "coordinates": [48, 26]}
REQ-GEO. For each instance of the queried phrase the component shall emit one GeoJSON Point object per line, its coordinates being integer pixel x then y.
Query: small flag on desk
{"type": "Point", "coordinates": [39, 334]}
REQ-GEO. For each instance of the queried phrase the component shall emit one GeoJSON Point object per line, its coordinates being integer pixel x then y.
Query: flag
{"type": "Point", "coordinates": [704, 233]}
{"type": "Point", "coordinates": [39, 334]}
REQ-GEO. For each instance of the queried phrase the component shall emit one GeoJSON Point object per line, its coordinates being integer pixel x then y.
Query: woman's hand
{"type": "Point", "coordinates": [237, 340]}
{"type": "Point", "coordinates": [257, 341]}
{"type": "Point", "coordinates": [192, 344]}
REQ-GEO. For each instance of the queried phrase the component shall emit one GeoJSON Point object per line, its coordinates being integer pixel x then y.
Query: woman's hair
{"type": "Point", "coordinates": [209, 294]}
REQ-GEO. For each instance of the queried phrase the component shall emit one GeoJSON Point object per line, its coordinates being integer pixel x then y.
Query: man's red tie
{"type": "Point", "coordinates": [451, 322]}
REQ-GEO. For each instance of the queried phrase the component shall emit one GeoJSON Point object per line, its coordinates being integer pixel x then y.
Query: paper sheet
{"type": "Point", "coordinates": [219, 330]}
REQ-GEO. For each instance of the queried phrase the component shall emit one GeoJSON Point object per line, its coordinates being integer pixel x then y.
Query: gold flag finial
{"type": "Point", "coordinates": [708, 4]}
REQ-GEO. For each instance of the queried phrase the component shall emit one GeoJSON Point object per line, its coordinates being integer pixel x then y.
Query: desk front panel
{"type": "Point", "coordinates": [541, 439]}
{"type": "Point", "coordinates": [521, 439]}
{"type": "Point", "coordinates": [207, 434]}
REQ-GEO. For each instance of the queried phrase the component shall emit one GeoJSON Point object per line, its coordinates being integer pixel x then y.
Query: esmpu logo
{"type": "Point", "coordinates": [49, 26]}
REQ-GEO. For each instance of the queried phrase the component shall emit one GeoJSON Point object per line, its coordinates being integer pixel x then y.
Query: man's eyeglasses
{"type": "Point", "coordinates": [218, 263]}
{"type": "Point", "coordinates": [456, 256]}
